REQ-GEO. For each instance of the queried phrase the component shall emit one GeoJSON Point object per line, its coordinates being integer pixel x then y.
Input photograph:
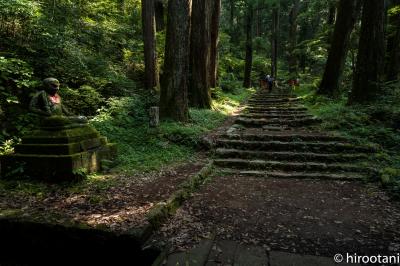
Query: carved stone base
{"type": "Point", "coordinates": [58, 151]}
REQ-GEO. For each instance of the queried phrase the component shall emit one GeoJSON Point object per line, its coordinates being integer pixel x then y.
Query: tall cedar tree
{"type": "Point", "coordinates": [159, 9]}
{"type": "Point", "coordinates": [200, 49]}
{"type": "Point", "coordinates": [393, 44]}
{"type": "Point", "coordinates": [214, 43]}
{"type": "Point", "coordinates": [346, 18]}
{"type": "Point", "coordinates": [274, 41]}
{"type": "Point", "coordinates": [371, 52]}
{"type": "Point", "coordinates": [294, 12]}
{"type": "Point", "coordinates": [249, 46]}
{"type": "Point", "coordinates": [149, 37]}
{"type": "Point", "coordinates": [173, 98]}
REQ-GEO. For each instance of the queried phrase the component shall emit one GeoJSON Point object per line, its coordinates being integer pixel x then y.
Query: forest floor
{"type": "Point", "coordinates": [322, 212]}
{"type": "Point", "coordinates": [115, 202]}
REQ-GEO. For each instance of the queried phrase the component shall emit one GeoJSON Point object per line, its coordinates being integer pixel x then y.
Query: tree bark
{"type": "Point", "coordinates": [274, 42]}
{"type": "Point", "coordinates": [149, 38]}
{"type": "Point", "coordinates": [249, 46]}
{"type": "Point", "coordinates": [214, 43]}
{"type": "Point", "coordinates": [370, 58]}
{"type": "Point", "coordinates": [159, 9]}
{"type": "Point", "coordinates": [332, 13]}
{"type": "Point", "coordinates": [346, 18]}
{"type": "Point", "coordinates": [293, 37]}
{"type": "Point", "coordinates": [173, 98]}
{"type": "Point", "coordinates": [258, 22]}
{"type": "Point", "coordinates": [199, 90]}
{"type": "Point", "coordinates": [393, 46]}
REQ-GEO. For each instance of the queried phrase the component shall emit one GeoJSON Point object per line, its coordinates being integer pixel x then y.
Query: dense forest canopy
{"type": "Point", "coordinates": [184, 55]}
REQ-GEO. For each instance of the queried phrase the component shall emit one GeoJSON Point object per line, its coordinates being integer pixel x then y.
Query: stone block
{"type": "Point", "coordinates": [61, 153]}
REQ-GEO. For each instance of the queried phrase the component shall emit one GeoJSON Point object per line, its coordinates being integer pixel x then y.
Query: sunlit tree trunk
{"type": "Point", "coordinates": [199, 89]}
{"type": "Point", "coordinates": [249, 46]}
{"type": "Point", "coordinates": [347, 16]}
{"type": "Point", "coordinates": [149, 37]}
{"type": "Point", "coordinates": [173, 98]}
{"type": "Point", "coordinates": [214, 42]}
{"type": "Point", "coordinates": [371, 52]}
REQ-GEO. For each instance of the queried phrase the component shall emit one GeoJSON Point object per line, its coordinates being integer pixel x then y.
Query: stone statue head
{"type": "Point", "coordinates": [51, 85]}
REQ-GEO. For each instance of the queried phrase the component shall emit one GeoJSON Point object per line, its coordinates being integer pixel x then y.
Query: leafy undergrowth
{"type": "Point", "coordinates": [142, 148]}
{"type": "Point", "coordinates": [376, 123]}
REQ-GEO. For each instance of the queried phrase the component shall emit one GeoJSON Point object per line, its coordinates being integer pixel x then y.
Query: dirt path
{"type": "Point", "coordinates": [283, 186]}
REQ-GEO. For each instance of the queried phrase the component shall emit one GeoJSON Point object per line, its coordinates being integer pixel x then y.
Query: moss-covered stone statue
{"type": "Point", "coordinates": [48, 102]}
{"type": "Point", "coordinates": [63, 146]}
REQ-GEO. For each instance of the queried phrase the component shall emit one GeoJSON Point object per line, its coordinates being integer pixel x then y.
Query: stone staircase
{"type": "Point", "coordinates": [224, 252]}
{"type": "Point", "coordinates": [276, 137]}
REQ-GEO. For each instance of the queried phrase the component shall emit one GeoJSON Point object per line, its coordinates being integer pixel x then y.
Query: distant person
{"type": "Point", "coordinates": [270, 81]}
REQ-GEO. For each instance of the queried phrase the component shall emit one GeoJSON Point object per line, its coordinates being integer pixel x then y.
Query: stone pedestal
{"type": "Point", "coordinates": [59, 150]}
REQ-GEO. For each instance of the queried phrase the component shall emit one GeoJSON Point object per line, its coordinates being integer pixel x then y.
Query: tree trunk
{"type": "Point", "coordinates": [199, 90]}
{"type": "Point", "coordinates": [173, 98]}
{"type": "Point", "coordinates": [249, 47]}
{"type": "Point", "coordinates": [332, 13]}
{"type": "Point", "coordinates": [393, 46]}
{"type": "Point", "coordinates": [258, 22]}
{"type": "Point", "coordinates": [149, 37]}
{"type": "Point", "coordinates": [347, 16]}
{"type": "Point", "coordinates": [293, 37]}
{"type": "Point", "coordinates": [370, 58]}
{"type": "Point", "coordinates": [159, 9]}
{"type": "Point", "coordinates": [214, 43]}
{"type": "Point", "coordinates": [274, 42]}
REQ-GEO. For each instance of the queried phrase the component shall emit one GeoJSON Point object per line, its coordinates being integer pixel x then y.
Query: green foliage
{"type": "Point", "coordinates": [261, 65]}
{"type": "Point", "coordinates": [16, 81]}
{"type": "Point", "coordinates": [16, 85]}
{"type": "Point", "coordinates": [85, 100]}
{"type": "Point", "coordinates": [140, 148]}
{"type": "Point", "coordinates": [124, 121]}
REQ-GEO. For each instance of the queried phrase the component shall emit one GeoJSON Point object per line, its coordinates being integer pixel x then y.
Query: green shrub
{"type": "Point", "coordinates": [85, 100]}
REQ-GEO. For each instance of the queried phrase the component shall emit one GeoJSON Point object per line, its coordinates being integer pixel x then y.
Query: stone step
{"type": "Point", "coordinates": [286, 136]}
{"type": "Point", "coordinates": [195, 257]}
{"type": "Point", "coordinates": [263, 109]}
{"type": "Point", "coordinates": [289, 156]}
{"type": "Point", "coordinates": [254, 122]}
{"type": "Point", "coordinates": [60, 149]}
{"type": "Point", "coordinates": [276, 116]}
{"type": "Point", "coordinates": [271, 100]}
{"type": "Point", "coordinates": [290, 166]}
{"type": "Point", "coordinates": [323, 147]}
{"type": "Point", "coordinates": [348, 176]}
{"type": "Point", "coordinates": [273, 103]}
